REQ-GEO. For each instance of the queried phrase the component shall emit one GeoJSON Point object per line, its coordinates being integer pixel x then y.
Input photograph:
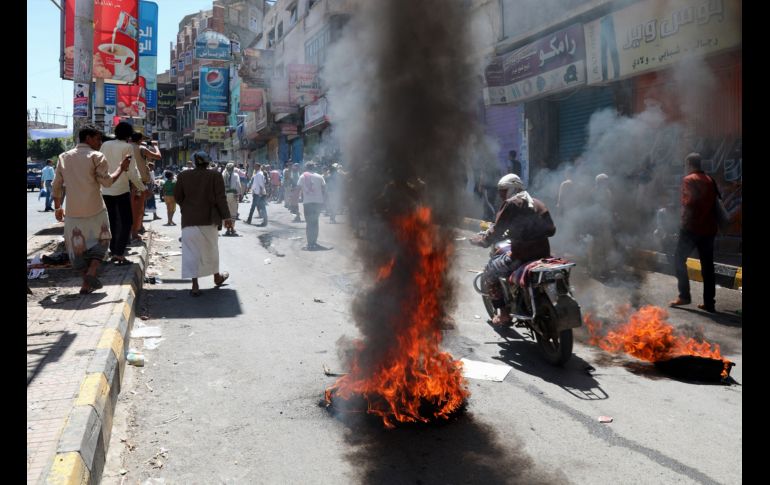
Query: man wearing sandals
{"type": "Point", "coordinates": [86, 228]}
{"type": "Point", "coordinates": [200, 194]}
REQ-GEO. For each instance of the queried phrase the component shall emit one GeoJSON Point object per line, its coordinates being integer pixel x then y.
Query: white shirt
{"type": "Point", "coordinates": [312, 187]}
{"type": "Point", "coordinates": [115, 151]}
{"type": "Point", "coordinates": [258, 183]}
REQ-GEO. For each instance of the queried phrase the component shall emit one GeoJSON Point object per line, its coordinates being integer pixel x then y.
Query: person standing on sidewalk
{"type": "Point", "coordinates": [151, 203]}
{"type": "Point", "coordinates": [312, 194]}
{"type": "Point", "coordinates": [86, 227]}
{"type": "Point", "coordinates": [258, 195]}
{"type": "Point", "coordinates": [117, 198]}
{"type": "Point", "coordinates": [232, 189]}
{"type": "Point", "coordinates": [168, 196]}
{"type": "Point", "coordinates": [698, 230]}
{"type": "Point", "coordinates": [200, 194]}
{"type": "Point", "coordinates": [46, 180]}
{"type": "Point", "coordinates": [142, 154]}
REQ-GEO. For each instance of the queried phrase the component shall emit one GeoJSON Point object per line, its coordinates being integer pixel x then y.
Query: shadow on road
{"type": "Point", "coordinates": [178, 303]}
{"type": "Point", "coordinates": [524, 356]}
{"type": "Point", "coordinates": [720, 318]}
{"type": "Point", "coordinates": [460, 451]}
{"type": "Point", "coordinates": [41, 354]}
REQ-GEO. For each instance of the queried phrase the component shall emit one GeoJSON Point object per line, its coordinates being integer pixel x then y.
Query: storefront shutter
{"type": "Point", "coordinates": [574, 113]}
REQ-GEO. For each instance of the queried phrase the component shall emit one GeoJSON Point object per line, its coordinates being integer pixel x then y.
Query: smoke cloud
{"type": "Point", "coordinates": [402, 93]}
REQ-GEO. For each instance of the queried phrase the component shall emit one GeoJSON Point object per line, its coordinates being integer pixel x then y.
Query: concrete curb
{"type": "Point", "coordinates": [82, 447]}
{"type": "Point", "coordinates": [726, 276]}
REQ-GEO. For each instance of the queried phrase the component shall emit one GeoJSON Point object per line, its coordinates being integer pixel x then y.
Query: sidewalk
{"type": "Point", "coordinates": [726, 276]}
{"type": "Point", "coordinates": [75, 361]}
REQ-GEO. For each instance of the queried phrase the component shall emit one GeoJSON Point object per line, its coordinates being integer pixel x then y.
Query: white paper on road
{"type": "Point", "coordinates": [473, 369]}
{"type": "Point", "coordinates": [152, 343]}
{"type": "Point", "coordinates": [145, 332]}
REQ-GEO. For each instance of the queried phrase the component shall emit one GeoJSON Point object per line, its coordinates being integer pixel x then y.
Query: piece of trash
{"type": "Point", "coordinates": [152, 343]}
{"type": "Point", "coordinates": [589, 369]}
{"type": "Point", "coordinates": [135, 358]}
{"type": "Point", "coordinates": [460, 238]}
{"type": "Point", "coordinates": [191, 334]}
{"type": "Point", "coordinates": [144, 332]}
{"type": "Point", "coordinates": [163, 239]}
{"type": "Point", "coordinates": [148, 387]}
{"type": "Point", "coordinates": [329, 372]}
{"type": "Point", "coordinates": [473, 369]}
{"type": "Point", "coordinates": [169, 420]}
{"type": "Point", "coordinates": [477, 316]}
{"type": "Point", "coordinates": [171, 269]}
{"type": "Point", "coordinates": [123, 471]}
{"type": "Point", "coordinates": [295, 238]}
{"type": "Point", "coordinates": [268, 261]}
{"type": "Point", "coordinates": [144, 317]}
{"type": "Point", "coordinates": [318, 300]}
{"type": "Point", "coordinates": [37, 268]}
{"type": "Point", "coordinates": [154, 272]}
{"type": "Point", "coordinates": [605, 419]}
{"type": "Point", "coordinates": [171, 253]}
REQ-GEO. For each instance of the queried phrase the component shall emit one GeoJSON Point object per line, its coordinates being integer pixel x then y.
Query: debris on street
{"type": "Point", "coordinates": [605, 419]}
{"type": "Point", "coordinates": [473, 369]}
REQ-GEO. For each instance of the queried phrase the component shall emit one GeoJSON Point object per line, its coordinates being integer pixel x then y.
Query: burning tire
{"type": "Point", "coordinates": [557, 351]}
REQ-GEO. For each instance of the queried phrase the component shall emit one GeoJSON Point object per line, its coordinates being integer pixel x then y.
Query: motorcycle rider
{"type": "Point", "coordinates": [524, 220]}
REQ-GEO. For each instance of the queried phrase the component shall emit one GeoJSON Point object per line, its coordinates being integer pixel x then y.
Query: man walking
{"type": "Point", "coordinates": [86, 227]}
{"type": "Point", "coordinates": [258, 195]}
{"type": "Point", "coordinates": [232, 188]}
{"type": "Point", "coordinates": [312, 193]}
{"type": "Point", "coordinates": [698, 229]}
{"type": "Point", "coordinates": [117, 198]}
{"type": "Point", "coordinates": [46, 180]}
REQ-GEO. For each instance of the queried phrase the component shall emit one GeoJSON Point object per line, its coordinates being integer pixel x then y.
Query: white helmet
{"type": "Point", "coordinates": [510, 181]}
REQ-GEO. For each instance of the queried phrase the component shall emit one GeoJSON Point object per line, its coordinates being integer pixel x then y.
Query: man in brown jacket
{"type": "Point", "coordinates": [200, 194]}
{"type": "Point", "coordinates": [528, 224]}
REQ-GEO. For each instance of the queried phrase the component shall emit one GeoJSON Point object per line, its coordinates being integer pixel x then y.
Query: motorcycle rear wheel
{"type": "Point", "coordinates": [557, 351]}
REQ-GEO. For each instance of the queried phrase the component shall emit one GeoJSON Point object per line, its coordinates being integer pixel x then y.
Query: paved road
{"type": "Point", "coordinates": [36, 218]}
{"type": "Point", "coordinates": [231, 394]}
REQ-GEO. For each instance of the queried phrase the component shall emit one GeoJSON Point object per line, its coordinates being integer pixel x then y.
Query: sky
{"type": "Point", "coordinates": [54, 95]}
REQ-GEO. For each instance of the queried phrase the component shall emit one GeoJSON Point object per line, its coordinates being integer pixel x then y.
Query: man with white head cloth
{"type": "Point", "coordinates": [232, 189]}
{"type": "Point", "coordinates": [528, 224]}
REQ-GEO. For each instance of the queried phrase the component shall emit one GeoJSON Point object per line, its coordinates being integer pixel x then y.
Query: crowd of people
{"type": "Point", "coordinates": [111, 183]}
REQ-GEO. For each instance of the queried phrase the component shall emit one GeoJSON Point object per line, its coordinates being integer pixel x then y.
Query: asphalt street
{"type": "Point", "coordinates": [231, 394]}
{"type": "Point", "coordinates": [36, 218]}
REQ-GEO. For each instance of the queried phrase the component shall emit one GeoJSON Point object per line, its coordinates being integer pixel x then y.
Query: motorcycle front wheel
{"type": "Point", "coordinates": [557, 351]}
{"type": "Point", "coordinates": [489, 307]}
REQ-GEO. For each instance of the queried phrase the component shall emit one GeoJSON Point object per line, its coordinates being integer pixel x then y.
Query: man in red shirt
{"type": "Point", "coordinates": [698, 229]}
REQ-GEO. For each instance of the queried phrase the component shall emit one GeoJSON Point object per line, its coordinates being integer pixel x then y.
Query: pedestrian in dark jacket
{"type": "Point", "coordinates": [698, 230]}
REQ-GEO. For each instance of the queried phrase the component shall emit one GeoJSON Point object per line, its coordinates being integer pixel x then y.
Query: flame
{"type": "Point", "coordinates": [413, 372]}
{"type": "Point", "coordinates": [647, 335]}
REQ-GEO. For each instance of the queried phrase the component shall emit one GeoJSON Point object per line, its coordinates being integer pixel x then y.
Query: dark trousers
{"type": "Point", "coordinates": [705, 244]}
{"type": "Point", "coordinates": [119, 212]}
{"type": "Point", "coordinates": [312, 211]}
{"type": "Point", "coordinates": [258, 202]}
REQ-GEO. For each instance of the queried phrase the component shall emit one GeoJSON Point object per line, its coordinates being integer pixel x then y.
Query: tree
{"type": "Point", "coordinates": [44, 149]}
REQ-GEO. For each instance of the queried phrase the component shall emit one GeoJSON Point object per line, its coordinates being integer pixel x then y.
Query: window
{"type": "Point", "coordinates": [271, 38]}
{"type": "Point", "coordinates": [293, 15]}
{"type": "Point", "coordinates": [280, 30]}
{"type": "Point", "coordinates": [310, 3]}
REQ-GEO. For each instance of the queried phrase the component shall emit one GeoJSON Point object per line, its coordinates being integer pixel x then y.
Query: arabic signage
{"type": "Point", "coordinates": [257, 67]}
{"type": "Point", "coordinates": [216, 134]}
{"type": "Point", "coordinates": [115, 49]}
{"type": "Point", "coordinates": [217, 119]}
{"type": "Point", "coordinates": [652, 34]}
{"type": "Point", "coordinates": [166, 107]}
{"type": "Point", "coordinates": [315, 114]}
{"type": "Point", "coordinates": [251, 98]}
{"type": "Point", "coordinates": [214, 85]}
{"type": "Point", "coordinates": [304, 85]}
{"type": "Point", "coordinates": [148, 49]}
{"type": "Point", "coordinates": [548, 65]}
{"type": "Point", "coordinates": [212, 45]}
{"type": "Point", "coordinates": [201, 130]}
{"type": "Point", "coordinates": [279, 96]}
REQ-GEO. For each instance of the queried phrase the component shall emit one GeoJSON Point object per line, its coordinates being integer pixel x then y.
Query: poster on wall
{"type": "Point", "coordinates": [653, 34]}
{"type": "Point", "coordinates": [80, 100]}
{"type": "Point", "coordinates": [304, 85]}
{"type": "Point", "coordinates": [251, 99]}
{"type": "Point", "coordinates": [132, 100]}
{"type": "Point", "coordinates": [148, 49]}
{"type": "Point", "coordinates": [257, 67]}
{"type": "Point", "coordinates": [212, 45]}
{"type": "Point", "coordinates": [115, 48]}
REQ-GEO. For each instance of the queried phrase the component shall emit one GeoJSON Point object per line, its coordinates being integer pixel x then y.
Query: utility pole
{"type": "Point", "coordinates": [84, 56]}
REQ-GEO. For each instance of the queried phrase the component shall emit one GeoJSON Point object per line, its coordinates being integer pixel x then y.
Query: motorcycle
{"type": "Point", "coordinates": [545, 306]}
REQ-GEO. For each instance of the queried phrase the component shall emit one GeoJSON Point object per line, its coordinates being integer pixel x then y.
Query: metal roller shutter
{"type": "Point", "coordinates": [574, 114]}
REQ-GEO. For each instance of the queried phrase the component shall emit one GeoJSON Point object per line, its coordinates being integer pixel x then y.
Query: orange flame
{"type": "Point", "coordinates": [647, 335]}
{"type": "Point", "coordinates": [414, 371]}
